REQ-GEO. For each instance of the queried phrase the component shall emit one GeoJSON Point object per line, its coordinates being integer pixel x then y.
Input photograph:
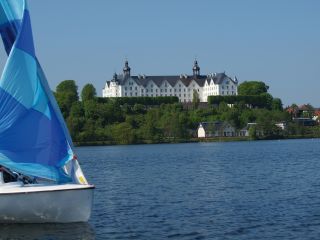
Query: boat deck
{"type": "Point", "coordinates": [17, 187]}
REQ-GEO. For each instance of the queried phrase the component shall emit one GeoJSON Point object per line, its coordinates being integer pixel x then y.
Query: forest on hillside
{"type": "Point", "coordinates": [95, 120]}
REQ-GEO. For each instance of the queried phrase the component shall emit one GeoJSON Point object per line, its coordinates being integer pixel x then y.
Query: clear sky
{"type": "Point", "coordinates": [275, 41]}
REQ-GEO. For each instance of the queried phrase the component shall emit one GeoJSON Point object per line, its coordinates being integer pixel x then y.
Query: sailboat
{"type": "Point", "coordinates": [41, 180]}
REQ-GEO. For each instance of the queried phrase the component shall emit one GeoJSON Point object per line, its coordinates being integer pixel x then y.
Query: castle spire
{"type": "Point", "coordinates": [196, 68]}
{"type": "Point", "coordinates": [126, 69]}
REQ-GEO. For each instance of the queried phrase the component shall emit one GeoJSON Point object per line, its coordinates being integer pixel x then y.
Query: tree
{"type": "Point", "coordinates": [277, 104]}
{"type": "Point", "coordinates": [149, 129]}
{"type": "Point", "coordinates": [91, 109]}
{"type": "Point", "coordinates": [76, 120]}
{"type": "Point", "coordinates": [139, 108]}
{"type": "Point", "coordinates": [195, 99]}
{"type": "Point", "coordinates": [267, 100]}
{"type": "Point", "coordinates": [123, 133]}
{"type": "Point", "coordinates": [77, 110]}
{"type": "Point", "coordinates": [68, 86]}
{"type": "Point", "coordinates": [66, 94]}
{"type": "Point", "coordinates": [88, 92]}
{"type": "Point", "coordinates": [252, 88]}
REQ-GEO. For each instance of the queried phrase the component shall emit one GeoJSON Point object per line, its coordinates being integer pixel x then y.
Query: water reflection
{"type": "Point", "coordinates": [81, 231]}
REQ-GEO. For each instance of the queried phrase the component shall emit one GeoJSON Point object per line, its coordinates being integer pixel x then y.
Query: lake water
{"type": "Point", "coordinates": [236, 190]}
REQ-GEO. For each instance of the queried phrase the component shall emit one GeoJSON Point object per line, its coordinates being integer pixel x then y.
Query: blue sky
{"type": "Point", "coordinates": [274, 41]}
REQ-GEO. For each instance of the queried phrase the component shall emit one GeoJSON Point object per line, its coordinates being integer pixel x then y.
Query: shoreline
{"type": "Point", "coordinates": [191, 140]}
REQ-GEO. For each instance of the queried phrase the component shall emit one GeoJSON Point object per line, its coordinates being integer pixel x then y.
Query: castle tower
{"type": "Point", "coordinates": [196, 68]}
{"type": "Point", "coordinates": [126, 69]}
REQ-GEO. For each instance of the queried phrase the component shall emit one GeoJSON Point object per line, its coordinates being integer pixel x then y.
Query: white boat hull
{"type": "Point", "coordinates": [45, 203]}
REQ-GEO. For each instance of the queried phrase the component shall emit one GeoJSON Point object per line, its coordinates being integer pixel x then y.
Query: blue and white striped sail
{"type": "Point", "coordinates": [33, 137]}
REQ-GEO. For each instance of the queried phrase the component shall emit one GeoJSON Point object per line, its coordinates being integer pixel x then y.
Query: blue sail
{"type": "Point", "coordinates": [33, 137]}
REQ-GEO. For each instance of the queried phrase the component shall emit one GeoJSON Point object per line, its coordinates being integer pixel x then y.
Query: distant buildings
{"type": "Point", "coordinates": [225, 129]}
{"type": "Point", "coordinates": [306, 122]}
{"type": "Point", "coordinates": [181, 86]}
{"type": "Point", "coordinates": [215, 129]}
{"type": "Point", "coordinates": [304, 115]}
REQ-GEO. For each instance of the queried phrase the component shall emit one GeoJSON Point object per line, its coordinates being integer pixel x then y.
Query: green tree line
{"type": "Point", "coordinates": [161, 119]}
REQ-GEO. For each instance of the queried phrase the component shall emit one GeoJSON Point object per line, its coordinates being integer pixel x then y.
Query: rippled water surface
{"type": "Point", "coordinates": [240, 190]}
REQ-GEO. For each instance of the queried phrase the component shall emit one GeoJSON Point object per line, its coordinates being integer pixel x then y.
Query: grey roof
{"type": "Point", "coordinates": [172, 80]}
{"type": "Point", "coordinates": [213, 126]}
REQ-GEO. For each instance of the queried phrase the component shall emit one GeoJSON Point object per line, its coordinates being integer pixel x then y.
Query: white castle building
{"type": "Point", "coordinates": [181, 86]}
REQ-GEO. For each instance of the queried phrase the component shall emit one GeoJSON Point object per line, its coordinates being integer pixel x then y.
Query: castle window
{"type": "Point", "coordinates": [125, 94]}
{"type": "Point", "coordinates": [130, 88]}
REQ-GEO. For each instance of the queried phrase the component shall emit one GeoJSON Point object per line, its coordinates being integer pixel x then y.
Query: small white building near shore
{"type": "Point", "coordinates": [215, 129]}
